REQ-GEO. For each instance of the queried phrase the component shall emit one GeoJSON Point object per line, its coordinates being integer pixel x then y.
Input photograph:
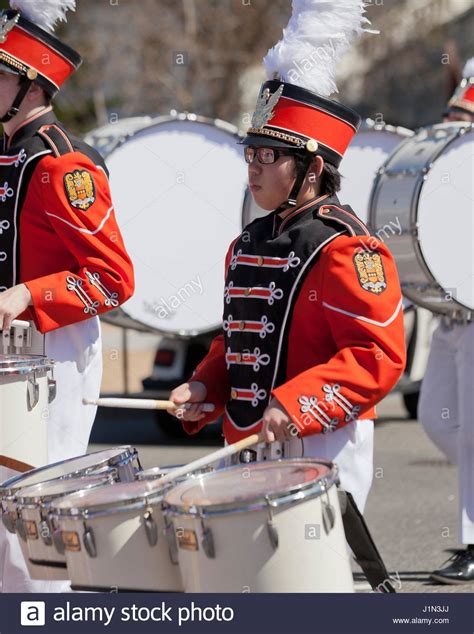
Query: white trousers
{"type": "Point", "coordinates": [77, 351]}
{"type": "Point", "coordinates": [446, 410]}
{"type": "Point", "coordinates": [352, 449]}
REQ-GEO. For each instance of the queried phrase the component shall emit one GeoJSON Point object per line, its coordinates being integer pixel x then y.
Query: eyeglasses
{"type": "Point", "coordinates": [265, 155]}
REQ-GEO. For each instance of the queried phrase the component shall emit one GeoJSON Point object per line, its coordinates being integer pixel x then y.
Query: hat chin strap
{"type": "Point", "coordinates": [298, 184]}
{"type": "Point", "coordinates": [21, 94]}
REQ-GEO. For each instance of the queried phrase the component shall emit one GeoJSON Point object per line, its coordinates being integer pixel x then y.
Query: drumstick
{"type": "Point", "coordinates": [143, 403]}
{"type": "Point", "coordinates": [220, 454]}
{"type": "Point", "coordinates": [19, 323]}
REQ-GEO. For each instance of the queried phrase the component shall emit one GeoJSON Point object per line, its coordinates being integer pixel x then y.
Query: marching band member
{"type": "Point", "coordinates": [313, 324]}
{"type": "Point", "coordinates": [447, 398]}
{"type": "Point", "coordinates": [63, 258]}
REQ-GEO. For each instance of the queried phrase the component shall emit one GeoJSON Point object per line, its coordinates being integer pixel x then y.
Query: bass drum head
{"type": "Point", "coordinates": [446, 220]}
{"type": "Point", "coordinates": [105, 138]}
{"type": "Point", "coordinates": [366, 154]}
{"type": "Point", "coordinates": [177, 188]}
{"type": "Point", "coordinates": [422, 203]}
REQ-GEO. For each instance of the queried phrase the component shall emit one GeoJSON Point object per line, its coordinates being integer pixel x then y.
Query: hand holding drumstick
{"type": "Point", "coordinates": [193, 394]}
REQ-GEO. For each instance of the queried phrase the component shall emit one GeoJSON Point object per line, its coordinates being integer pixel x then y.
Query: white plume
{"type": "Point", "coordinates": [44, 13]}
{"type": "Point", "coordinates": [318, 34]}
{"type": "Point", "coordinates": [468, 70]}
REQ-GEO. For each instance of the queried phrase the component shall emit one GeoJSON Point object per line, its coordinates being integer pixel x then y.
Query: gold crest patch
{"type": "Point", "coordinates": [370, 271]}
{"type": "Point", "coordinates": [80, 189]}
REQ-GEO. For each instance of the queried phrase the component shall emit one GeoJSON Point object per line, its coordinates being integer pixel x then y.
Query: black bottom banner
{"type": "Point", "coordinates": [243, 613]}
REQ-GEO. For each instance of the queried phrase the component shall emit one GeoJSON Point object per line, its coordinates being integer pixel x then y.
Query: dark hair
{"type": "Point", "coordinates": [330, 177]}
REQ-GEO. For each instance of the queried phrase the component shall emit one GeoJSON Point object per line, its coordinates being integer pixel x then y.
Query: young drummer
{"type": "Point", "coordinates": [63, 258]}
{"type": "Point", "coordinates": [313, 326]}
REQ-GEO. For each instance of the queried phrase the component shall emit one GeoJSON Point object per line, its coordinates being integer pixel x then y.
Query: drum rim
{"type": "Point", "coordinates": [179, 116]}
{"type": "Point", "coordinates": [297, 493]}
{"type": "Point", "coordinates": [34, 501]}
{"type": "Point", "coordinates": [459, 129]}
{"type": "Point", "coordinates": [19, 365]}
{"type": "Point", "coordinates": [140, 474]}
{"type": "Point", "coordinates": [174, 116]}
{"type": "Point", "coordinates": [152, 497]}
{"type": "Point", "coordinates": [369, 124]}
{"type": "Point", "coordinates": [127, 454]}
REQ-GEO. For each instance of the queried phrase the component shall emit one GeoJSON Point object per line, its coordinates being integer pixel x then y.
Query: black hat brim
{"type": "Point", "coordinates": [267, 141]}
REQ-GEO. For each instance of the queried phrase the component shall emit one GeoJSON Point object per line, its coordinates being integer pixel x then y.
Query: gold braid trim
{"type": "Point", "coordinates": [14, 63]}
{"type": "Point", "coordinates": [278, 135]}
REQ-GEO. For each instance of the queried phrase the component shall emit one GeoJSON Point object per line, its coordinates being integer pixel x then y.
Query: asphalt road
{"type": "Point", "coordinates": [412, 510]}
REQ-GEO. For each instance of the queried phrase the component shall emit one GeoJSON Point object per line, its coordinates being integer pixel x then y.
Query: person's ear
{"type": "Point", "coordinates": [316, 169]}
{"type": "Point", "coordinates": [35, 92]}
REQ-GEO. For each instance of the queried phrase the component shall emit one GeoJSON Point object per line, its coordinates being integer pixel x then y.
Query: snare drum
{"type": "Point", "coordinates": [120, 463]}
{"type": "Point", "coordinates": [425, 188]}
{"type": "Point", "coordinates": [26, 389]}
{"type": "Point", "coordinates": [262, 527]}
{"type": "Point", "coordinates": [116, 538]}
{"type": "Point", "coordinates": [40, 542]}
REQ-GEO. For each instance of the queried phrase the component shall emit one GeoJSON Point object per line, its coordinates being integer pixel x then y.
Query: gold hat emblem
{"type": "Point", "coordinates": [264, 109]}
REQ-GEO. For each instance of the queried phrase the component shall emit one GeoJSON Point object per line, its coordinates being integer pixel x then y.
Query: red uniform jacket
{"type": "Point", "coordinates": [346, 344]}
{"type": "Point", "coordinates": [72, 256]}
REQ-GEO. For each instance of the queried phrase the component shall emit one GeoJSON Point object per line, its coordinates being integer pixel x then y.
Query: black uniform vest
{"type": "Point", "coordinates": [266, 272]}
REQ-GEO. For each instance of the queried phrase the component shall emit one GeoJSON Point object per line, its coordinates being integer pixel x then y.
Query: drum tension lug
{"type": "Point", "coordinates": [52, 388]}
{"type": "Point", "coordinates": [45, 531]}
{"type": "Point", "coordinates": [327, 512]}
{"type": "Point", "coordinates": [207, 541]}
{"type": "Point", "coordinates": [58, 542]}
{"type": "Point", "coordinates": [20, 528]}
{"type": "Point", "coordinates": [32, 392]}
{"type": "Point", "coordinates": [271, 528]}
{"type": "Point", "coordinates": [8, 521]}
{"type": "Point", "coordinates": [88, 540]}
{"type": "Point", "coordinates": [170, 536]}
{"type": "Point", "coordinates": [150, 527]}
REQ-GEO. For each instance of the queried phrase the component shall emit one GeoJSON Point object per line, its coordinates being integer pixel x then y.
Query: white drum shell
{"type": "Point", "coordinates": [37, 550]}
{"type": "Point", "coordinates": [120, 463]}
{"type": "Point", "coordinates": [246, 561]}
{"type": "Point", "coordinates": [24, 430]}
{"type": "Point", "coordinates": [125, 560]}
{"type": "Point", "coordinates": [227, 524]}
{"type": "Point", "coordinates": [45, 562]}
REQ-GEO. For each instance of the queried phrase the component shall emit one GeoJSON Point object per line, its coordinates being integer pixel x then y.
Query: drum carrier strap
{"type": "Point", "coordinates": [363, 546]}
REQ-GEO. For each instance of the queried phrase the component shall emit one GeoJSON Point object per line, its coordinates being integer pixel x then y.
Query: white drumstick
{"type": "Point", "coordinates": [20, 323]}
{"type": "Point", "coordinates": [215, 456]}
{"type": "Point", "coordinates": [143, 403]}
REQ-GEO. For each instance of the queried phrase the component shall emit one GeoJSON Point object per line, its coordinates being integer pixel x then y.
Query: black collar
{"type": "Point", "coordinates": [304, 211]}
{"type": "Point", "coordinates": [29, 128]}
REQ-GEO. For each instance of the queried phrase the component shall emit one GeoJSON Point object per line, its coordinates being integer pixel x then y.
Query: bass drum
{"type": "Point", "coordinates": [105, 138]}
{"type": "Point", "coordinates": [368, 151]}
{"type": "Point", "coordinates": [178, 187]}
{"type": "Point", "coordinates": [425, 188]}
{"type": "Point", "coordinates": [366, 154]}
